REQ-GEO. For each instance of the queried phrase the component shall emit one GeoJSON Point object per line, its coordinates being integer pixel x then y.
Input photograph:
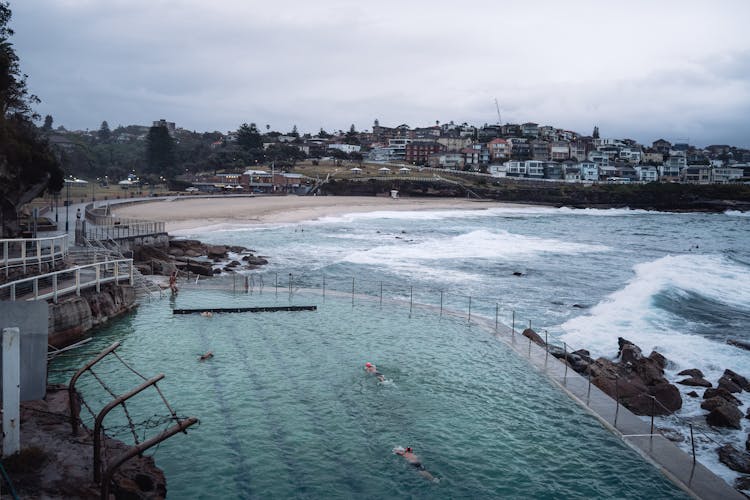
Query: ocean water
{"type": "Point", "coordinates": [286, 410]}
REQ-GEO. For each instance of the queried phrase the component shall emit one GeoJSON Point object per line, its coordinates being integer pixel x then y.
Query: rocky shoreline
{"type": "Point", "coordinates": [192, 256]}
{"type": "Point", "coordinates": [640, 384]}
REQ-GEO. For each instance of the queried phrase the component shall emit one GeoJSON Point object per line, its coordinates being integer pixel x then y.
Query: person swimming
{"type": "Point", "coordinates": [414, 461]}
{"type": "Point", "coordinates": [370, 368]}
{"type": "Point", "coordinates": [207, 355]}
{"type": "Point", "coordinates": [207, 314]}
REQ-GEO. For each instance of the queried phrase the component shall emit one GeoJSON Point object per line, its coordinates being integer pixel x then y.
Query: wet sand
{"type": "Point", "coordinates": [188, 213]}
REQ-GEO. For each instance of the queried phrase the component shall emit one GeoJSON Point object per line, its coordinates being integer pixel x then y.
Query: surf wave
{"type": "Point", "coordinates": [479, 244]}
{"type": "Point", "coordinates": [736, 213]}
{"type": "Point", "coordinates": [638, 313]}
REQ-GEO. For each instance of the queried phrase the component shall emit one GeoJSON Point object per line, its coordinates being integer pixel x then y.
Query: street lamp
{"type": "Point", "coordinates": [67, 203]}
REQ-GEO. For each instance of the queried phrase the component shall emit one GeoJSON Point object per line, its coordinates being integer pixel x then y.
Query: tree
{"type": "Point", "coordinates": [160, 153]}
{"type": "Point", "coordinates": [248, 137]}
{"type": "Point", "coordinates": [104, 133]}
{"type": "Point", "coordinates": [351, 137]}
{"type": "Point", "coordinates": [47, 127]}
{"type": "Point", "coordinates": [28, 166]}
{"type": "Point", "coordinates": [595, 134]}
{"type": "Point", "coordinates": [294, 132]}
{"type": "Point", "coordinates": [323, 134]}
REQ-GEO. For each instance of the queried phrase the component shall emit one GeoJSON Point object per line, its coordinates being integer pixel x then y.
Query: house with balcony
{"type": "Point", "coordinates": [499, 150]}
{"type": "Point", "coordinates": [661, 146]}
{"type": "Point", "coordinates": [497, 170]}
{"type": "Point", "coordinates": [530, 129]}
{"type": "Point", "coordinates": [559, 150]}
{"type": "Point", "coordinates": [535, 169]}
{"type": "Point", "coordinates": [598, 157]}
{"type": "Point", "coordinates": [647, 174]}
{"type": "Point", "coordinates": [453, 144]}
{"type": "Point", "coordinates": [696, 174]}
{"type": "Point", "coordinates": [520, 149]}
{"type": "Point", "coordinates": [418, 152]}
{"type": "Point", "coordinates": [472, 158]}
{"type": "Point", "coordinates": [539, 150]}
{"type": "Point", "coordinates": [553, 170]}
{"type": "Point", "coordinates": [515, 168]}
{"type": "Point", "coordinates": [725, 175]}
{"type": "Point", "coordinates": [449, 160]}
{"type": "Point", "coordinates": [589, 171]}
{"type": "Point", "coordinates": [572, 173]}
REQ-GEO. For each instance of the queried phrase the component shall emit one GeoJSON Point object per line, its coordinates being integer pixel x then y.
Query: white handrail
{"type": "Point", "coordinates": [72, 280]}
{"type": "Point", "coordinates": [15, 251]}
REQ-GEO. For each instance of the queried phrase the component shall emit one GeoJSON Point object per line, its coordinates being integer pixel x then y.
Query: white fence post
{"type": "Point", "coordinates": [11, 391]}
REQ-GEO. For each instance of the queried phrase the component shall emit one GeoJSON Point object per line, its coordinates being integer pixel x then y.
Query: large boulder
{"type": "Point", "coordinates": [695, 382]}
{"type": "Point", "coordinates": [216, 251]}
{"type": "Point", "coordinates": [712, 403]}
{"type": "Point", "coordinates": [725, 415]}
{"type": "Point", "coordinates": [692, 372]}
{"type": "Point", "coordinates": [737, 379]}
{"type": "Point", "coordinates": [628, 351]}
{"type": "Point", "coordinates": [728, 384]}
{"type": "Point", "coordinates": [531, 334]}
{"type": "Point", "coordinates": [721, 393]}
{"type": "Point", "coordinates": [735, 459]}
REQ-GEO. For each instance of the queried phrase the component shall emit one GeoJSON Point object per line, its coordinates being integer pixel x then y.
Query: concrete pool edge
{"type": "Point", "coordinates": [675, 464]}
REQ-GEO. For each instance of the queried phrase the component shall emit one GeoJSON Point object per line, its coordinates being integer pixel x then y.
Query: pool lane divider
{"type": "Point", "coordinates": [244, 309]}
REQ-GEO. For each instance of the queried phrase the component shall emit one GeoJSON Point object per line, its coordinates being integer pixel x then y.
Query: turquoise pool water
{"type": "Point", "coordinates": [287, 411]}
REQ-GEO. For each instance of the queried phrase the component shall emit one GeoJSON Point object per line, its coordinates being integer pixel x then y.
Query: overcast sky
{"type": "Point", "coordinates": [641, 69]}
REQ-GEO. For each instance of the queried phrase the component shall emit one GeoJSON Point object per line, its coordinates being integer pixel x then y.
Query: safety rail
{"type": "Point", "coordinates": [59, 283]}
{"type": "Point", "coordinates": [124, 228]}
{"type": "Point", "coordinates": [24, 252]}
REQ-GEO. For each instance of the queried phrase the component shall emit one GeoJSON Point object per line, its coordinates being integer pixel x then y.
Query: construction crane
{"type": "Point", "coordinates": [499, 121]}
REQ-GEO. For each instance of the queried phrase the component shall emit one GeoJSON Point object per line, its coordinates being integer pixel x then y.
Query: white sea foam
{"type": "Point", "coordinates": [480, 244]}
{"type": "Point", "coordinates": [510, 211]}
{"type": "Point", "coordinates": [737, 213]}
{"type": "Point", "coordinates": [631, 313]}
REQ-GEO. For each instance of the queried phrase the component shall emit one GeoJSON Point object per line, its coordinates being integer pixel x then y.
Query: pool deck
{"type": "Point", "coordinates": [691, 476]}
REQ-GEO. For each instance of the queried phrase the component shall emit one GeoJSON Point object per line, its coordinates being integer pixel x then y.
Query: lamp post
{"type": "Point", "coordinates": [67, 204]}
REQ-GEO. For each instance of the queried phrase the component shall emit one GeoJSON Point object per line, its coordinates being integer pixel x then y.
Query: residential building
{"type": "Point", "coordinates": [553, 170]}
{"type": "Point", "coordinates": [455, 143]}
{"type": "Point", "coordinates": [530, 129]}
{"type": "Point", "coordinates": [418, 152]}
{"type": "Point", "coordinates": [661, 146]}
{"type": "Point", "coordinates": [499, 150]}
{"type": "Point", "coordinates": [559, 150]}
{"type": "Point", "coordinates": [572, 173]}
{"type": "Point", "coordinates": [346, 148]}
{"type": "Point", "coordinates": [652, 157]}
{"type": "Point", "coordinates": [540, 150]}
{"type": "Point", "coordinates": [515, 168]}
{"type": "Point", "coordinates": [724, 175]}
{"type": "Point", "coordinates": [589, 171]}
{"type": "Point", "coordinates": [601, 159]}
{"type": "Point", "coordinates": [497, 170]}
{"type": "Point", "coordinates": [520, 149]}
{"type": "Point", "coordinates": [647, 174]}
{"type": "Point", "coordinates": [535, 168]}
{"type": "Point", "coordinates": [472, 158]}
{"type": "Point", "coordinates": [696, 174]}
{"type": "Point", "coordinates": [450, 160]}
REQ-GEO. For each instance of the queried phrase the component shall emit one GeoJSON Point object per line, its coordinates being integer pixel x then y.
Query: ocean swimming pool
{"type": "Point", "coordinates": [287, 411]}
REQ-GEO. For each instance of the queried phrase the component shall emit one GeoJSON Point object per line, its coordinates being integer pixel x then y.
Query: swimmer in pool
{"type": "Point", "coordinates": [207, 314]}
{"type": "Point", "coordinates": [207, 355]}
{"type": "Point", "coordinates": [414, 461]}
{"type": "Point", "coordinates": [370, 368]}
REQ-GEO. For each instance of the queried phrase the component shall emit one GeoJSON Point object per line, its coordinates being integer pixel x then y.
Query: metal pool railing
{"type": "Point", "coordinates": [59, 283]}
{"type": "Point", "coordinates": [24, 252]}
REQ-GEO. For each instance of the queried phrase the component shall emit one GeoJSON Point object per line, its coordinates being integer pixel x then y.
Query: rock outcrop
{"type": "Point", "coordinates": [55, 464]}
{"type": "Point", "coordinates": [195, 257]}
{"type": "Point", "coordinates": [72, 316]}
{"type": "Point", "coordinates": [735, 459]}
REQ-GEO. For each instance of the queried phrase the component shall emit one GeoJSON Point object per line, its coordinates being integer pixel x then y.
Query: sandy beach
{"type": "Point", "coordinates": [187, 213]}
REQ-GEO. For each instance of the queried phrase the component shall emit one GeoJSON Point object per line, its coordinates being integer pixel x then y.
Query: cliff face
{"type": "Point", "coordinates": [70, 318]}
